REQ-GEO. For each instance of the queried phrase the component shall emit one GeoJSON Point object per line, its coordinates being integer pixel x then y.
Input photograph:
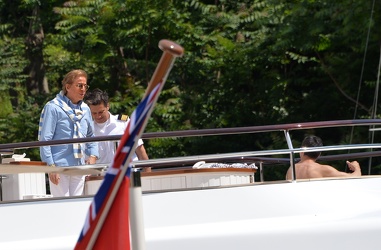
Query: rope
{"type": "Point", "coordinates": [360, 83]}
{"type": "Point", "coordinates": [375, 109]}
{"type": "Point", "coordinates": [362, 68]}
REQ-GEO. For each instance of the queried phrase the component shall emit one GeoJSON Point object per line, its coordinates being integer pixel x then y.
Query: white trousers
{"type": "Point", "coordinates": [68, 186]}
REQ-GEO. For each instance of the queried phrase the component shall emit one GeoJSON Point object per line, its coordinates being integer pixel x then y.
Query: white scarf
{"type": "Point", "coordinates": [75, 115]}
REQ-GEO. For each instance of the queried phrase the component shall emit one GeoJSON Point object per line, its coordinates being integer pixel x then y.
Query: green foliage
{"type": "Point", "coordinates": [6, 104]}
{"type": "Point", "coordinates": [246, 63]}
{"type": "Point", "coordinates": [22, 126]}
{"type": "Point", "coordinates": [12, 62]}
{"type": "Point", "coordinates": [12, 78]}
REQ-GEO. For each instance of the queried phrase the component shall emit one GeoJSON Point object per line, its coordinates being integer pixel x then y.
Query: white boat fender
{"type": "Point", "coordinates": [198, 164]}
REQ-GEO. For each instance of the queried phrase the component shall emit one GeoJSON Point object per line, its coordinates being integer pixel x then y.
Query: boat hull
{"type": "Point", "coordinates": [318, 214]}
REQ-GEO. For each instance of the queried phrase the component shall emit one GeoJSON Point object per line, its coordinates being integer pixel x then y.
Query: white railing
{"type": "Point", "coordinates": [248, 156]}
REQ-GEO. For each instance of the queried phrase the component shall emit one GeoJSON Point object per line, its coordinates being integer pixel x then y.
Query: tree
{"type": "Point", "coordinates": [246, 63]}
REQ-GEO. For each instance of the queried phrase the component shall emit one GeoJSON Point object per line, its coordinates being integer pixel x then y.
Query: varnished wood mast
{"type": "Point", "coordinates": [171, 50]}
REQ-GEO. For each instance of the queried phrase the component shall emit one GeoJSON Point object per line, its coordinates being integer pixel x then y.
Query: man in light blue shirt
{"type": "Point", "coordinates": [67, 117]}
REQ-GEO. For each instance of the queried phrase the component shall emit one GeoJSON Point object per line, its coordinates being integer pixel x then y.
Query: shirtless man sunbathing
{"type": "Point", "coordinates": [308, 168]}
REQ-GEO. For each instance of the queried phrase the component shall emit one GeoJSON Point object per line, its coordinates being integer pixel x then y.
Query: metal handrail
{"type": "Point", "coordinates": [251, 156]}
{"type": "Point", "coordinates": [202, 132]}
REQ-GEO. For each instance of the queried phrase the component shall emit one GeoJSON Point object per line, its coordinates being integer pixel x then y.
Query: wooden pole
{"type": "Point", "coordinates": [171, 50]}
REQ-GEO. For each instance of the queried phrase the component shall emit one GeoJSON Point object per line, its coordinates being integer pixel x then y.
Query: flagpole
{"type": "Point", "coordinates": [171, 50]}
{"type": "Point", "coordinates": [136, 212]}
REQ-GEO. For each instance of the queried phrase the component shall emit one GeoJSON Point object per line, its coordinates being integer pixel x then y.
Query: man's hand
{"type": "Point", "coordinates": [354, 166]}
{"type": "Point", "coordinates": [54, 178]}
{"type": "Point", "coordinates": [91, 160]}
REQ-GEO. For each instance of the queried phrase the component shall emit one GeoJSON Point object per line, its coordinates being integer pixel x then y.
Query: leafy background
{"type": "Point", "coordinates": [247, 63]}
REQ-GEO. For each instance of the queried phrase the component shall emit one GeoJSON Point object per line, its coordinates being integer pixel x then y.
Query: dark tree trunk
{"type": "Point", "coordinates": [36, 82]}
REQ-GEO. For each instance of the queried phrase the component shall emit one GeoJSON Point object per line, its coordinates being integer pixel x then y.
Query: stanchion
{"type": "Point", "coordinates": [136, 211]}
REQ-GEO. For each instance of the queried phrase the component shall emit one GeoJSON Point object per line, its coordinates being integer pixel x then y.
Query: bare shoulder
{"type": "Point", "coordinates": [327, 168]}
{"type": "Point", "coordinates": [329, 171]}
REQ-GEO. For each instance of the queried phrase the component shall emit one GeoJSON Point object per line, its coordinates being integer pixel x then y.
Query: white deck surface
{"type": "Point", "coordinates": [320, 214]}
{"type": "Point", "coordinates": [329, 214]}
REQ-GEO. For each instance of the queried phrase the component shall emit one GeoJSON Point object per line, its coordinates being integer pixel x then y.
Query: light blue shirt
{"type": "Point", "coordinates": [57, 125]}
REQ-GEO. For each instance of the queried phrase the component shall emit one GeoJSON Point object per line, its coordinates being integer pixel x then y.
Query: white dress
{"type": "Point", "coordinates": [112, 126]}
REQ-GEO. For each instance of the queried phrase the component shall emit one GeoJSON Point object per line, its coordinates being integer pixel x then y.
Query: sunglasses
{"type": "Point", "coordinates": [82, 86]}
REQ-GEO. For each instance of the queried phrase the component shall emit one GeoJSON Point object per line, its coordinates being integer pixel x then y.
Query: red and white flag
{"type": "Point", "coordinates": [107, 225]}
{"type": "Point", "coordinates": [114, 233]}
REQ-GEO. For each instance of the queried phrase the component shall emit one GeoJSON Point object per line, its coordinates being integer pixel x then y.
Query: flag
{"type": "Point", "coordinates": [107, 222]}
